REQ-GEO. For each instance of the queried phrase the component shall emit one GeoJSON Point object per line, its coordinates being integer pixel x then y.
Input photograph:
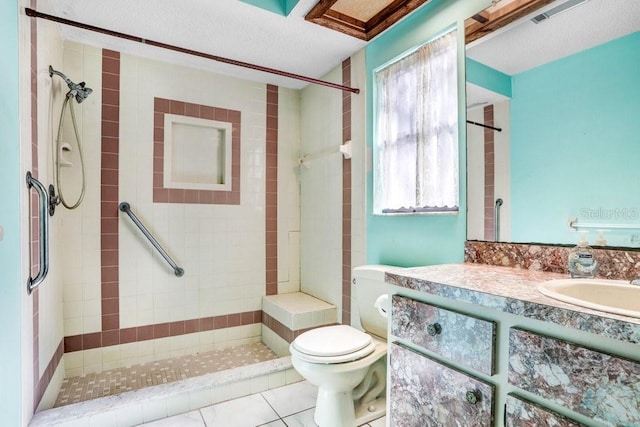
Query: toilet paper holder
{"type": "Point", "coordinates": [382, 305]}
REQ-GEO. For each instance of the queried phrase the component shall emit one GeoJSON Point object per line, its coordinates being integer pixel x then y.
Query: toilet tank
{"type": "Point", "coordinates": [369, 285]}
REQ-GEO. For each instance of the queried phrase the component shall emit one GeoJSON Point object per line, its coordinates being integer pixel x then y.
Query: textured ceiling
{"type": "Point", "coordinates": [240, 31]}
{"type": "Point", "coordinates": [227, 28]}
{"type": "Point", "coordinates": [524, 45]}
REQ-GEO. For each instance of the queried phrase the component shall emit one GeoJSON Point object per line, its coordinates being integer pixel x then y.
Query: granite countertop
{"type": "Point", "coordinates": [512, 290]}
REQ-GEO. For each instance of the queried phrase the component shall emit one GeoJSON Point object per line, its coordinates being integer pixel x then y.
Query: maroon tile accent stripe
{"type": "Point", "coordinates": [110, 137]}
{"type": "Point", "coordinates": [178, 195]}
{"type": "Point", "coordinates": [346, 197]}
{"type": "Point", "coordinates": [281, 330]}
{"type": "Point", "coordinates": [271, 196]}
{"type": "Point", "coordinates": [159, 330]}
{"type": "Point", "coordinates": [489, 175]}
{"type": "Point", "coordinates": [47, 375]}
{"type": "Point", "coordinates": [40, 383]}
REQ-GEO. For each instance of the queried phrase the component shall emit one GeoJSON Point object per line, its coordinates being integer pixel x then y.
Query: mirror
{"type": "Point", "coordinates": [564, 93]}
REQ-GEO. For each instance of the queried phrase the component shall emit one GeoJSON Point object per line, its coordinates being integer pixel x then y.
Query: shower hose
{"type": "Point", "coordinates": [69, 103]}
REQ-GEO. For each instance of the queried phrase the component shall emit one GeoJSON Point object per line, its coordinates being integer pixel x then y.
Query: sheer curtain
{"type": "Point", "coordinates": [416, 138]}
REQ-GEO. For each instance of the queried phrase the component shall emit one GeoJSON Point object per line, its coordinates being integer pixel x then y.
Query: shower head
{"type": "Point", "coordinates": [81, 92]}
{"type": "Point", "coordinates": [77, 90]}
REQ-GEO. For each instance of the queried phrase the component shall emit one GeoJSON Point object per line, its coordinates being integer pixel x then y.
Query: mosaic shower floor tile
{"type": "Point", "coordinates": [106, 383]}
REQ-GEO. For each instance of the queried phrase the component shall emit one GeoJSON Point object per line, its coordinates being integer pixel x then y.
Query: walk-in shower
{"type": "Point", "coordinates": [80, 92]}
{"type": "Point", "coordinates": [125, 317]}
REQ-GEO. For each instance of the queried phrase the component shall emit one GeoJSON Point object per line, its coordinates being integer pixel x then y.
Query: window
{"type": "Point", "coordinates": [416, 137]}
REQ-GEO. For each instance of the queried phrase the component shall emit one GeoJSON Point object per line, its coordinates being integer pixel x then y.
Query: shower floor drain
{"type": "Point", "coordinates": [115, 381]}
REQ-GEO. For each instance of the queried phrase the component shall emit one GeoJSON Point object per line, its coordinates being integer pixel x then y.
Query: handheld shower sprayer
{"type": "Point", "coordinates": [77, 90]}
{"type": "Point", "coordinates": [80, 92]}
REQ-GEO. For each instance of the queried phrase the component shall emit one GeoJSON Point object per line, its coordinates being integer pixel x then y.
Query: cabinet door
{"type": "Point", "coordinates": [601, 386]}
{"type": "Point", "coordinates": [457, 337]}
{"type": "Point", "coordinates": [522, 413]}
{"type": "Point", "coordinates": [426, 393]}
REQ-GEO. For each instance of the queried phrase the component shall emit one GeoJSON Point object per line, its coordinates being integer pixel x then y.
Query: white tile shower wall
{"type": "Point", "coordinates": [50, 327]}
{"type": "Point", "coordinates": [358, 171]}
{"type": "Point", "coordinates": [50, 294]}
{"type": "Point", "coordinates": [321, 192]}
{"type": "Point", "coordinates": [288, 191]}
{"type": "Point", "coordinates": [221, 247]}
{"type": "Point", "coordinates": [79, 245]}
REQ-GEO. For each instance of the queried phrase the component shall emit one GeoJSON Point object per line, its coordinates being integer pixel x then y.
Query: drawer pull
{"type": "Point", "coordinates": [434, 329]}
{"type": "Point", "coordinates": [473, 396]}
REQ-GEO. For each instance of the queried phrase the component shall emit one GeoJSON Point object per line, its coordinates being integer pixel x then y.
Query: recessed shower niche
{"type": "Point", "coordinates": [197, 153]}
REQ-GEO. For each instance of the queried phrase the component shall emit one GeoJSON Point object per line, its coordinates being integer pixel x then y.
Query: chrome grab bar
{"type": "Point", "coordinates": [126, 208]}
{"type": "Point", "coordinates": [43, 206]}
{"type": "Point", "coordinates": [496, 216]}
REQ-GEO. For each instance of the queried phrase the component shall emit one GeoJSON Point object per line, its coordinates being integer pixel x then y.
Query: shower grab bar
{"type": "Point", "coordinates": [43, 206]}
{"type": "Point", "coordinates": [126, 208]}
{"type": "Point", "coordinates": [496, 229]}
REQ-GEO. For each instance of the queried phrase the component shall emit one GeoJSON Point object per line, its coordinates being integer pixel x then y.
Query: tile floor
{"type": "Point", "coordinates": [288, 406]}
{"type": "Point", "coordinates": [115, 381]}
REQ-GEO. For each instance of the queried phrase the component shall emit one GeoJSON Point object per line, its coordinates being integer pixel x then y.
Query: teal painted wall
{"type": "Point", "coordinates": [419, 239]}
{"type": "Point", "coordinates": [289, 5]}
{"type": "Point", "coordinates": [10, 281]}
{"type": "Point", "coordinates": [575, 143]}
{"type": "Point", "coordinates": [488, 78]}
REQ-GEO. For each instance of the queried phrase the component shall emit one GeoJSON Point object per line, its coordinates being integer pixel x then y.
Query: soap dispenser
{"type": "Point", "coordinates": [582, 260]}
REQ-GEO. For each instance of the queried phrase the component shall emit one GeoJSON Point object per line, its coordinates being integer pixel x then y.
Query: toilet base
{"type": "Point", "coordinates": [334, 409]}
{"type": "Point", "coordinates": [371, 411]}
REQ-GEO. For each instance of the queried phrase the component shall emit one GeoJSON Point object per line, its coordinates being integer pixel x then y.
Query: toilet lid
{"type": "Point", "coordinates": [331, 341]}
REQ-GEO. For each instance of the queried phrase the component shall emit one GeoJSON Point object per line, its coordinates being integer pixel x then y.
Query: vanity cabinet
{"type": "Point", "coordinates": [601, 386]}
{"type": "Point", "coordinates": [498, 362]}
{"type": "Point", "coordinates": [425, 392]}
{"type": "Point", "coordinates": [457, 337]}
{"type": "Point", "coordinates": [520, 412]}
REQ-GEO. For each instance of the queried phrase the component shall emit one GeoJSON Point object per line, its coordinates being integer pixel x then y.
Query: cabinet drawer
{"type": "Point", "coordinates": [587, 381]}
{"type": "Point", "coordinates": [424, 392]}
{"type": "Point", "coordinates": [458, 337]}
{"type": "Point", "coordinates": [522, 413]}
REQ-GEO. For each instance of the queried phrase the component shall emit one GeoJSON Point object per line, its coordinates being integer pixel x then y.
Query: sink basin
{"type": "Point", "coordinates": [611, 296]}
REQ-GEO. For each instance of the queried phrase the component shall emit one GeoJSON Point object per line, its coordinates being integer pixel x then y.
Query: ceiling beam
{"type": "Point", "coordinates": [488, 21]}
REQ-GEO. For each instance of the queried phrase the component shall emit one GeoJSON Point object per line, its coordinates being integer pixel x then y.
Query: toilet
{"type": "Point", "coordinates": [346, 364]}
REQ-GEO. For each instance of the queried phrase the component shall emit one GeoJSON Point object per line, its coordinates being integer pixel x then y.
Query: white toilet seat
{"type": "Point", "coordinates": [333, 344]}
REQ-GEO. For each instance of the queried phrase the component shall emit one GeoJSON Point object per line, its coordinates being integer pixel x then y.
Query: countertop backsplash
{"type": "Point", "coordinates": [615, 263]}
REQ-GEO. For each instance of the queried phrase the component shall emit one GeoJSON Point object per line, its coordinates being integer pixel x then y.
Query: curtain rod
{"type": "Point", "coordinates": [484, 126]}
{"type": "Point", "coordinates": [35, 14]}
